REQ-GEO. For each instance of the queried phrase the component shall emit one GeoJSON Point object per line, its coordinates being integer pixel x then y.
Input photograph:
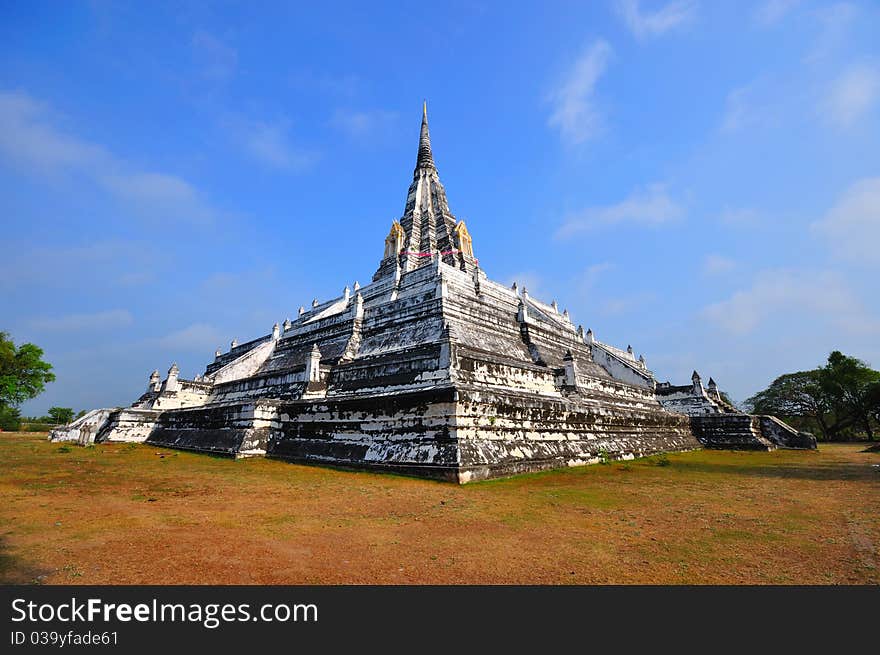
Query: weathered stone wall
{"type": "Point", "coordinates": [405, 432]}
{"type": "Point", "coordinates": [235, 430]}
{"type": "Point", "coordinates": [84, 429]}
{"type": "Point", "coordinates": [730, 431]}
{"type": "Point", "coordinates": [501, 433]}
{"type": "Point", "coordinates": [785, 436]}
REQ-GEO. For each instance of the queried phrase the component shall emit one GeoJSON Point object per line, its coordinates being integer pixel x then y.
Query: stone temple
{"type": "Point", "coordinates": [431, 369]}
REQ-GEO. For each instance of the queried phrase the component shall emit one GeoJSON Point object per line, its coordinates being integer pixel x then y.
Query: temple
{"type": "Point", "coordinates": [431, 369]}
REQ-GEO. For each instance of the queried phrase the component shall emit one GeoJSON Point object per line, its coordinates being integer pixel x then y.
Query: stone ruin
{"type": "Point", "coordinates": [434, 370]}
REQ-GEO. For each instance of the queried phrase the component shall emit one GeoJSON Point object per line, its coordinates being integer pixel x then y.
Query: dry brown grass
{"type": "Point", "coordinates": [129, 514]}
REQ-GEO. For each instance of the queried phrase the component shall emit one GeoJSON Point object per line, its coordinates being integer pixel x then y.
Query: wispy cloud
{"type": "Point", "coordinates": [852, 95]}
{"type": "Point", "coordinates": [53, 267]}
{"type": "Point", "coordinates": [790, 295]}
{"type": "Point", "coordinates": [651, 206]}
{"type": "Point", "coordinates": [31, 139]}
{"type": "Point", "coordinates": [366, 124]}
{"type": "Point", "coordinates": [714, 264]}
{"type": "Point", "coordinates": [771, 12]}
{"type": "Point", "coordinates": [625, 304]}
{"type": "Point", "coordinates": [112, 318]}
{"type": "Point", "coordinates": [215, 59]}
{"type": "Point", "coordinates": [590, 277]}
{"type": "Point", "coordinates": [574, 111]}
{"type": "Point", "coordinates": [198, 337]}
{"type": "Point", "coordinates": [526, 280]}
{"type": "Point", "coordinates": [643, 23]}
{"type": "Point", "coordinates": [739, 216]}
{"type": "Point", "coordinates": [852, 226]}
{"type": "Point", "coordinates": [270, 143]}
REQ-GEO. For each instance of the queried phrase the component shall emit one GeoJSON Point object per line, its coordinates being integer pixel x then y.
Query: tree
{"type": "Point", "coordinates": [840, 397]}
{"type": "Point", "coordinates": [23, 373]}
{"type": "Point", "coordinates": [61, 415]}
{"type": "Point", "coordinates": [851, 384]}
{"type": "Point", "coordinates": [10, 420]}
{"type": "Point", "coordinates": [796, 394]}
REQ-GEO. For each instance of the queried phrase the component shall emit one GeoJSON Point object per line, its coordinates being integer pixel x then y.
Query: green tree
{"type": "Point", "coordinates": [851, 384]}
{"type": "Point", "coordinates": [838, 398]}
{"type": "Point", "coordinates": [61, 415]}
{"type": "Point", "coordinates": [23, 373]}
{"type": "Point", "coordinates": [797, 394]}
{"type": "Point", "coordinates": [10, 420]}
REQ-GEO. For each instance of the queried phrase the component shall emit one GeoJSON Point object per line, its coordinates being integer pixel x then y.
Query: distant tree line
{"type": "Point", "coordinates": [839, 401]}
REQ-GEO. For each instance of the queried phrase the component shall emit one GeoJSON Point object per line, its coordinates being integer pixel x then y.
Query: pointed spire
{"type": "Point", "coordinates": [425, 159]}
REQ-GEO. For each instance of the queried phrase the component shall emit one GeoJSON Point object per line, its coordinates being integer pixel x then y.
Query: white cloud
{"type": "Point", "coordinates": [739, 217]}
{"type": "Point", "coordinates": [51, 267]}
{"type": "Point", "coordinates": [526, 280]}
{"type": "Point", "coordinates": [852, 226]}
{"type": "Point", "coordinates": [714, 264]}
{"type": "Point", "coordinates": [834, 22]}
{"type": "Point", "coordinates": [761, 103]}
{"type": "Point", "coordinates": [270, 144]}
{"type": "Point", "coordinates": [771, 12]}
{"type": "Point", "coordinates": [30, 139]}
{"type": "Point", "coordinates": [198, 337]}
{"type": "Point", "coordinates": [651, 206]}
{"type": "Point", "coordinates": [589, 277]}
{"type": "Point", "coordinates": [574, 111]}
{"type": "Point", "coordinates": [852, 95]}
{"type": "Point", "coordinates": [625, 304]}
{"type": "Point", "coordinates": [364, 124]}
{"type": "Point", "coordinates": [790, 296]}
{"type": "Point", "coordinates": [643, 23]}
{"type": "Point", "coordinates": [216, 60]}
{"type": "Point", "coordinates": [112, 318]}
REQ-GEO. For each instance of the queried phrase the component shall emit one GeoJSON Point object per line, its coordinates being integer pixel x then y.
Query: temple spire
{"type": "Point", "coordinates": [425, 159]}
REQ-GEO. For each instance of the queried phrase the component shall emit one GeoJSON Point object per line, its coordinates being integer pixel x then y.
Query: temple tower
{"type": "Point", "coordinates": [427, 226]}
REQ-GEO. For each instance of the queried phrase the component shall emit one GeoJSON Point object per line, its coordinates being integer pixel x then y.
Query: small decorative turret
{"type": "Point", "coordinates": [358, 305]}
{"type": "Point", "coordinates": [276, 331]}
{"type": "Point", "coordinates": [698, 384]}
{"type": "Point", "coordinates": [346, 293]}
{"type": "Point", "coordinates": [590, 337]}
{"type": "Point", "coordinates": [234, 343]}
{"type": "Point", "coordinates": [313, 365]}
{"type": "Point", "coordinates": [513, 286]}
{"type": "Point", "coordinates": [570, 369]}
{"type": "Point", "coordinates": [171, 384]}
{"type": "Point", "coordinates": [155, 382]}
{"type": "Point", "coordinates": [712, 388]}
{"type": "Point", "coordinates": [287, 324]}
{"type": "Point", "coordinates": [642, 361]}
{"type": "Point", "coordinates": [580, 332]}
{"type": "Point", "coordinates": [314, 302]}
{"type": "Point", "coordinates": [629, 351]}
{"type": "Point", "coordinates": [217, 353]}
{"type": "Point", "coordinates": [555, 306]}
{"type": "Point", "coordinates": [525, 293]}
{"type": "Point", "coordinates": [301, 310]}
{"type": "Point", "coordinates": [566, 316]}
{"type": "Point", "coordinates": [357, 286]}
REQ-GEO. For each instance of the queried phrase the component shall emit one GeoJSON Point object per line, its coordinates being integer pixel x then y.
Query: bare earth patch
{"type": "Point", "coordinates": [132, 514]}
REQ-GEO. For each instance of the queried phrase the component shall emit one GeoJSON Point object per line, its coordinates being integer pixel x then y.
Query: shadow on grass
{"type": "Point", "coordinates": [830, 471]}
{"type": "Point", "coordinates": [14, 571]}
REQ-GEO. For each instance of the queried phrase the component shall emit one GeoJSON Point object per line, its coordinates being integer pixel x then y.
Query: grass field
{"type": "Point", "coordinates": [131, 514]}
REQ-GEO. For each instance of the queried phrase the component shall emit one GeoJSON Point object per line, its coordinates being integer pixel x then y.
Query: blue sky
{"type": "Point", "coordinates": [698, 179]}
